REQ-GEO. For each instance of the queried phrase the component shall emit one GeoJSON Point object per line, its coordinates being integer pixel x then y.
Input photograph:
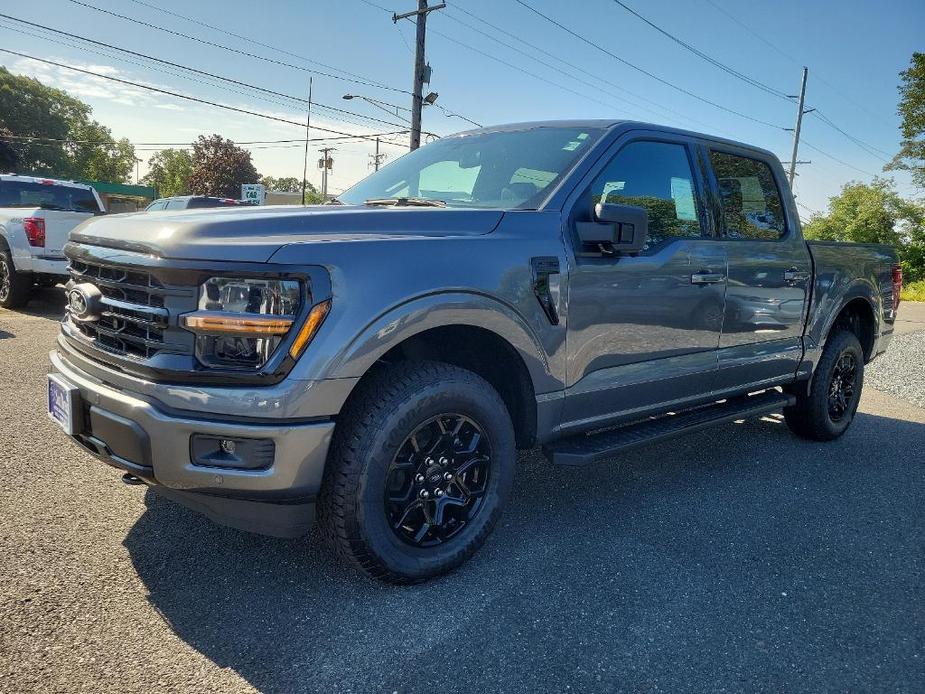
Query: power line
{"type": "Point", "coordinates": [250, 40]}
{"type": "Point", "coordinates": [869, 148]}
{"type": "Point", "coordinates": [182, 96]}
{"type": "Point", "coordinates": [368, 83]}
{"type": "Point", "coordinates": [193, 70]}
{"type": "Point", "coordinates": [836, 159]}
{"type": "Point", "coordinates": [700, 54]}
{"type": "Point", "coordinates": [780, 51]}
{"type": "Point", "coordinates": [344, 138]}
{"type": "Point", "coordinates": [539, 49]}
{"type": "Point", "coordinates": [595, 85]}
{"type": "Point", "coordinates": [644, 71]}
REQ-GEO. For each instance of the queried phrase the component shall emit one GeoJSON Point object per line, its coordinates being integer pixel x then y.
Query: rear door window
{"type": "Point", "coordinates": [177, 204]}
{"type": "Point", "coordinates": [750, 198]}
{"type": "Point", "coordinates": [48, 196]}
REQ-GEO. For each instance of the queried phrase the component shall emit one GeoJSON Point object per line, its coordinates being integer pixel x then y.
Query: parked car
{"type": "Point", "coordinates": [191, 202]}
{"type": "Point", "coordinates": [589, 286]}
{"type": "Point", "coordinates": [36, 216]}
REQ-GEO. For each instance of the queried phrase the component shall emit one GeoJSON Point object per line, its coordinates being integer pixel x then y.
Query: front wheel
{"type": "Point", "coordinates": [827, 410]}
{"type": "Point", "coordinates": [420, 467]}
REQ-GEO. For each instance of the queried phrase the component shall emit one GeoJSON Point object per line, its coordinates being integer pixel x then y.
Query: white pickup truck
{"type": "Point", "coordinates": [36, 217]}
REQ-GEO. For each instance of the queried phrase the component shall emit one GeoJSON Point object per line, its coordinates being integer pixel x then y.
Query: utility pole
{"type": "Point", "coordinates": [417, 99]}
{"type": "Point", "coordinates": [308, 123]}
{"type": "Point", "coordinates": [796, 131]}
{"type": "Point", "coordinates": [325, 163]}
{"type": "Point", "coordinates": [377, 158]}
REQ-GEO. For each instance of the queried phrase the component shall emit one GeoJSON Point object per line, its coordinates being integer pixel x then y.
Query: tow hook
{"type": "Point", "coordinates": [130, 479]}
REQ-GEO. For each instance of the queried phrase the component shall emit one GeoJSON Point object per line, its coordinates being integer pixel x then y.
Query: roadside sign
{"type": "Point", "coordinates": [254, 193]}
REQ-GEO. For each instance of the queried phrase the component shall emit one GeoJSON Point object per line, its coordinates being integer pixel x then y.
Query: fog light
{"type": "Point", "coordinates": [231, 453]}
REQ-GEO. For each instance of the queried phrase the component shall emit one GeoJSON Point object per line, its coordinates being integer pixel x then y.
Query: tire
{"type": "Point", "coordinates": [373, 457]}
{"type": "Point", "coordinates": [15, 287]}
{"type": "Point", "coordinates": [813, 416]}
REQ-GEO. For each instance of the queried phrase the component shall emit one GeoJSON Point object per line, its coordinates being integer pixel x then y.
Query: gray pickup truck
{"type": "Point", "coordinates": [586, 286]}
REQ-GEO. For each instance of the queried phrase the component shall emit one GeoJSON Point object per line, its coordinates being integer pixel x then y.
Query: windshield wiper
{"type": "Point", "coordinates": [406, 202]}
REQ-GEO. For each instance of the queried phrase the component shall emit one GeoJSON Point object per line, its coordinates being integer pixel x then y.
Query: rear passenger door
{"type": "Point", "coordinates": [769, 270]}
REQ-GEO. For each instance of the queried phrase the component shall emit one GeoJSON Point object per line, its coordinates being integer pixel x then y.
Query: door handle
{"type": "Point", "coordinates": [707, 278]}
{"type": "Point", "coordinates": [793, 275]}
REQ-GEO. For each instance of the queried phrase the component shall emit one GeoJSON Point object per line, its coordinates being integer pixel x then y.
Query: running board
{"type": "Point", "coordinates": [584, 449]}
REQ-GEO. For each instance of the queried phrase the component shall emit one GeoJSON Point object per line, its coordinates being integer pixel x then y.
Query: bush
{"type": "Point", "coordinates": [914, 291]}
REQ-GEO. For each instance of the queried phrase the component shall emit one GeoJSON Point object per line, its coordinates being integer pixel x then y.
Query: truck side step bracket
{"type": "Point", "coordinates": [585, 449]}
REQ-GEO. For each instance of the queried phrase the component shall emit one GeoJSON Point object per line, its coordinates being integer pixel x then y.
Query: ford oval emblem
{"type": "Point", "coordinates": [83, 302]}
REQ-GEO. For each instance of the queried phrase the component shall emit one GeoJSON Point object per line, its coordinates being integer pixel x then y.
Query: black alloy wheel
{"type": "Point", "coordinates": [825, 410]}
{"type": "Point", "coordinates": [842, 385]}
{"type": "Point", "coordinates": [436, 483]}
{"type": "Point", "coordinates": [421, 464]}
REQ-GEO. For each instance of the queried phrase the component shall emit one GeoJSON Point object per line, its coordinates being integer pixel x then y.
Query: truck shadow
{"type": "Point", "coordinates": [742, 540]}
{"type": "Point", "coordinates": [45, 302]}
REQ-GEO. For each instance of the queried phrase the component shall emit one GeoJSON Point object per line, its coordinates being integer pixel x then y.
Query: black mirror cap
{"type": "Point", "coordinates": [617, 228]}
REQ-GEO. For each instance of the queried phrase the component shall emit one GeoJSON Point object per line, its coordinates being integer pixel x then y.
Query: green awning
{"type": "Point", "coordinates": [125, 189]}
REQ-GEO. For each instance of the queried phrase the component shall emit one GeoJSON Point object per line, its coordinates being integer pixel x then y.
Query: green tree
{"type": "Point", "coordinates": [911, 156]}
{"type": "Point", "coordinates": [285, 184]}
{"type": "Point", "coordinates": [62, 123]}
{"type": "Point", "coordinates": [8, 156]}
{"type": "Point", "coordinates": [875, 213]}
{"type": "Point", "coordinates": [220, 167]}
{"type": "Point", "coordinates": [169, 171]}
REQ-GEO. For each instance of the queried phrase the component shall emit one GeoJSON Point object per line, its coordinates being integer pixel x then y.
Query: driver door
{"type": "Point", "coordinates": [644, 329]}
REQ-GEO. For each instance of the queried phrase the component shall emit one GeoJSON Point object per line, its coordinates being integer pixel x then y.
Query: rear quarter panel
{"type": "Point", "coordinates": [847, 271]}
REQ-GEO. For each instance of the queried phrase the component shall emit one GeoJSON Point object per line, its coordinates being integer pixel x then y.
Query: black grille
{"type": "Point", "coordinates": [134, 319]}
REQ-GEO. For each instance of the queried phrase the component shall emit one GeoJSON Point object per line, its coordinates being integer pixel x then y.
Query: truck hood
{"type": "Point", "coordinates": [254, 234]}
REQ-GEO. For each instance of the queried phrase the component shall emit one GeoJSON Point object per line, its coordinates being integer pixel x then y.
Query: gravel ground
{"type": "Point", "coordinates": [901, 370]}
{"type": "Point", "coordinates": [737, 559]}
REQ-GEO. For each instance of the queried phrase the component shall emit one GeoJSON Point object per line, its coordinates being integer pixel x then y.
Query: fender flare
{"type": "Point", "coordinates": [441, 309]}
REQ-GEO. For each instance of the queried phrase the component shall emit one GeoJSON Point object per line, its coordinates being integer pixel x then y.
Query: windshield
{"type": "Point", "coordinates": [498, 170]}
{"type": "Point", "coordinates": [47, 196]}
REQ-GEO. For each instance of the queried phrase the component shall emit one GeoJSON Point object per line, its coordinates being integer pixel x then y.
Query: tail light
{"type": "Point", "coordinates": [897, 285]}
{"type": "Point", "coordinates": [35, 231]}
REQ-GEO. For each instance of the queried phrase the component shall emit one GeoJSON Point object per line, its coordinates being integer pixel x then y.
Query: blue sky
{"type": "Point", "coordinates": [854, 49]}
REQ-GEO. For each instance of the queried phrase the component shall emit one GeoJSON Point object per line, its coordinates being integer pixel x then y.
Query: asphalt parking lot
{"type": "Point", "coordinates": [737, 559]}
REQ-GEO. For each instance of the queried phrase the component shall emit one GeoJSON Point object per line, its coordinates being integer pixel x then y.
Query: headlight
{"type": "Point", "coordinates": [241, 322]}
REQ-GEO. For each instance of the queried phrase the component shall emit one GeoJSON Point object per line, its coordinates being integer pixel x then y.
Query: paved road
{"type": "Point", "coordinates": [738, 559]}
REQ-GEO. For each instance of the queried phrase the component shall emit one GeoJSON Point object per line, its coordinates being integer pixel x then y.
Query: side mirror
{"type": "Point", "coordinates": [617, 228]}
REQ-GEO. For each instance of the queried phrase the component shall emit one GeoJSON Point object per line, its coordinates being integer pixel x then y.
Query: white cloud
{"type": "Point", "coordinates": [86, 86]}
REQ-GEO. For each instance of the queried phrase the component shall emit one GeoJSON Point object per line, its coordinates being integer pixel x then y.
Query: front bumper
{"type": "Point", "coordinates": [133, 434]}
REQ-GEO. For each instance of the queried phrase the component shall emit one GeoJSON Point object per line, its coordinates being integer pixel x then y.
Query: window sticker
{"type": "Point", "coordinates": [610, 187]}
{"type": "Point", "coordinates": [682, 192]}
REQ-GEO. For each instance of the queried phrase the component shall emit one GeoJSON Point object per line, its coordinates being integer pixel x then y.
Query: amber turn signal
{"type": "Point", "coordinates": [312, 323]}
{"type": "Point", "coordinates": [219, 323]}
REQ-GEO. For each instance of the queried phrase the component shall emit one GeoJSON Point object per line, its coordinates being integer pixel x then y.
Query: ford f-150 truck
{"type": "Point", "coordinates": [36, 216]}
{"type": "Point", "coordinates": [375, 362]}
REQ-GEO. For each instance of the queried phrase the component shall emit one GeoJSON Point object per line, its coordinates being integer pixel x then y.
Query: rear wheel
{"type": "Point", "coordinates": [421, 465]}
{"type": "Point", "coordinates": [827, 410]}
{"type": "Point", "coordinates": [15, 287]}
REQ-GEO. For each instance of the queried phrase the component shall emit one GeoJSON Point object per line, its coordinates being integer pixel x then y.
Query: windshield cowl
{"type": "Point", "coordinates": [406, 202]}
